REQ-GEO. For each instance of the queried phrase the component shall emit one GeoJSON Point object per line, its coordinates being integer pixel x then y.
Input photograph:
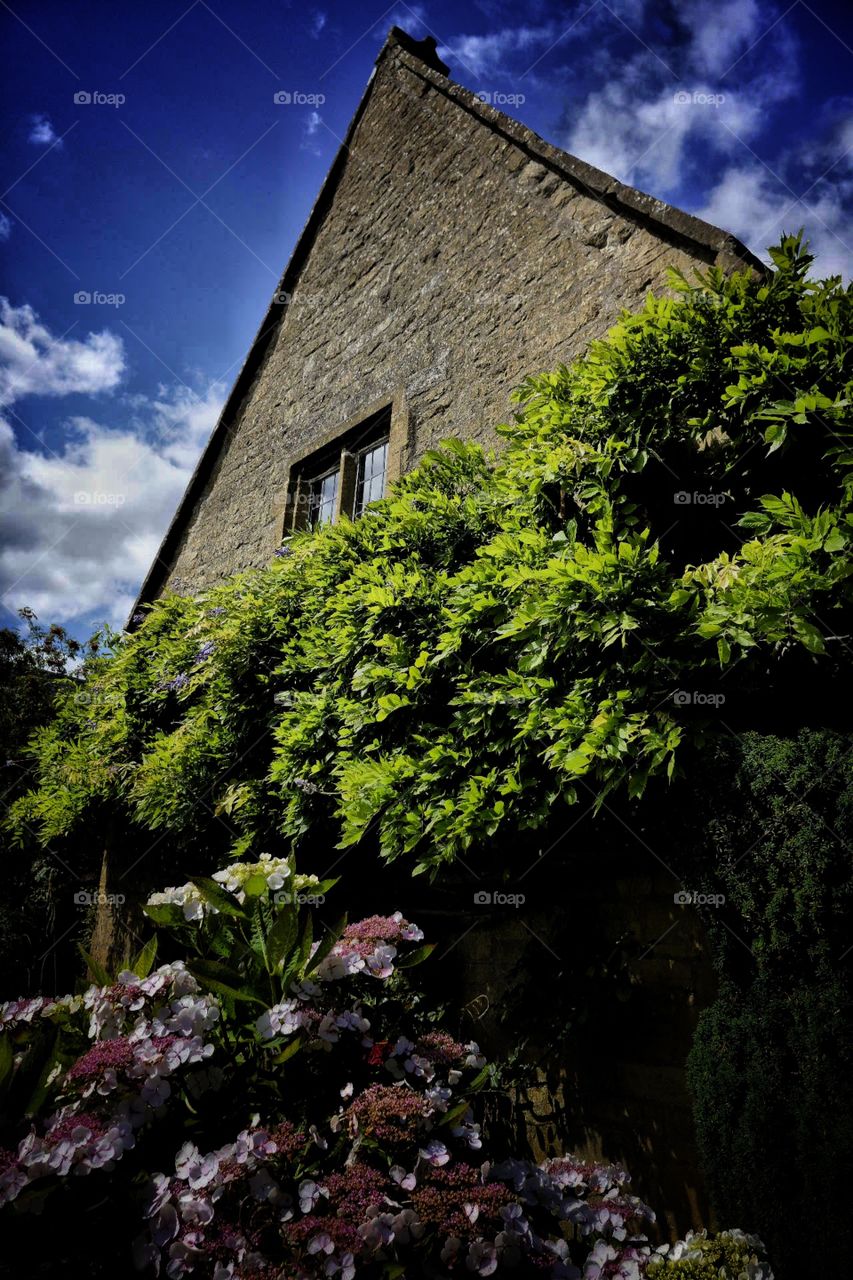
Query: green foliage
{"type": "Point", "coordinates": [732, 1255]}
{"type": "Point", "coordinates": [503, 637]}
{"type": "Point", "coordinates": [772, 1059]}
{"type": "Point", "coordinates": [36, 669]}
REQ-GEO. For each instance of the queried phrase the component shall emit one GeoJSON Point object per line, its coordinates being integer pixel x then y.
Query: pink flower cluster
{"type": "Point", "coordinates": [321, 1212]}
{"type": "Point", "coordinates": [144, 1031]}
{"type": "Point", "coordinates": [15, 1013]}
{"type": "Point", "coordinates": [389, 1175]}
{"type": "Point", "coordinates": [369, 946]}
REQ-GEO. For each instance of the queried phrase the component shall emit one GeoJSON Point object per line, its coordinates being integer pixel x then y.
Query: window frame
{"type": "Point", "coordinates": [343, 454]}
{"type": "Point", "coordinates": [362, 481]}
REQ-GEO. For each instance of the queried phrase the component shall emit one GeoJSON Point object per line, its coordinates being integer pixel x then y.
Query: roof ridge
{"type": "Point", "coordinates": [627, 200]}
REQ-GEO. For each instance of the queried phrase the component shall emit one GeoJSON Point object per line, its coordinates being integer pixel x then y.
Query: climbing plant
{"type": "Point", "coordinates": [669, 518]}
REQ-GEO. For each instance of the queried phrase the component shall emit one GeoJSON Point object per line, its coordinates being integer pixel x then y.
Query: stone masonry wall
{"type": "Point", "coordinates": [448, 266]}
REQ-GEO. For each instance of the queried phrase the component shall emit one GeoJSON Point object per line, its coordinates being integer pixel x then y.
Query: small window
{"type": "Point", "coordinates": [322, 499]}
{"type": "Point", "coordinates": [370, 480]}
{"type": "Point", "coordinates": [343, 477]}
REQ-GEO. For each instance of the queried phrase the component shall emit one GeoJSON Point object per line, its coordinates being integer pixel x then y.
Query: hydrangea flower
{"type": "Point", "coordinates": [234, 877]}
{"type": "Point", "coordinates": [435, 1153]}
{"type": "Point", "coordinates": [185, 896]}
{"type": "Point", "coordinates": [144, 1030]}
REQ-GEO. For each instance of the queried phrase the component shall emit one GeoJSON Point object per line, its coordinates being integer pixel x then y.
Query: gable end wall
{"type": "Point", "coordinates": [453, 258]}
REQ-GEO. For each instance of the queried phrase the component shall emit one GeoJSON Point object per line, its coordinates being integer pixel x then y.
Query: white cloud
{"type": "Point", "coordinates": [318, 22]}
{"type": "Point", "coordinates": [34, 362]}
{"type": "Point", "coordinates": [492, 54]}
{"type": "Point", "coordinates": [757, 207]}
{"type": "Point", "coordinates": [721, 33]}
{"type": "Point", "coordinates": [411, 18]}
{"type": "Point", "coordinates": [310, 128]}
{"type": "Point", "coordinates": [42, 132]}
{"type": "Point", "coordinates": [669, 136]}
{"type": "Point", "coordinates": [81, 526]}
{"type": "Point", "coordinates": [5, 227]}
{"type": "Point", "coordinates": [649, 139]}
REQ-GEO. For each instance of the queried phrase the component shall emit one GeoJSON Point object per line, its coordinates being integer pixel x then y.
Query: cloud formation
{"type": "Point", "coordinates": [42, 132]}
{"type": "Point", "coordinates": [35, 362]}
{"type": "Point", "coordinates": [82, 523]}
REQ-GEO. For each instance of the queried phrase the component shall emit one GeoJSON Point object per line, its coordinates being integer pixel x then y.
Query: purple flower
{"type": "Point", "coordinates": [322, 1243]}
{"type": "Point", "coordinates": [310, 788]}
{"type": "Point", "coordinates": [309, 1193]}
{"type": "Point", "coordinates": [435, 1153]}
{"type": "Point", "coordinates": [398, 1174]}
{"type": "Point", "coordinates": [482, 1258]}
{"type": "Point", "coordinates": [177, 682]}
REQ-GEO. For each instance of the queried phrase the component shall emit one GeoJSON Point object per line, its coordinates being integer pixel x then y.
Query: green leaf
{"type": "Point", "coordinates": [333, 935]}
{"type": "Point", "coordinates": [455, 1113]}
{"type": "Point", "coordinates": [53, 1059]}
{"type": "Point", "coordinates": [7, 1056]}
{"type": "Point", "coordinates": [289, 1051]}
{"type": "Point", "coordinates": [281, 938]}
{"type": "Point", "coordinates": [415, 957]}
{"type": "Point", "coordinates": [300, 961]}
{"type": "Point", "coordinates": [809, 636]}
{"type": "Point", "coordinates": [165, 913]}
{"type": "Point", "coordinates": [98, 972]}
{"type": "Point", "coordinates": [255, 886]}
{"type": "Point", "coordinates": [223, 980]}
{"type": "Point", "coordinates": [218, 897]}
{"type": "Point", "coordinates": [144, 962]}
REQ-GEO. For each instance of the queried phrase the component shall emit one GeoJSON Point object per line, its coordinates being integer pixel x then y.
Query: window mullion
{"type": "Point", "coordinates": [347, 485]}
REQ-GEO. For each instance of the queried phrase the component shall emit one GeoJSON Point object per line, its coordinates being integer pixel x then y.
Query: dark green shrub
{"type": "Point", "coordinates": [771, 1065]}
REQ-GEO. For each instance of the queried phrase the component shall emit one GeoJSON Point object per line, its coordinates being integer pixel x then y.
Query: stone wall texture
{"type": "Point", "coordinates": [452, 258]}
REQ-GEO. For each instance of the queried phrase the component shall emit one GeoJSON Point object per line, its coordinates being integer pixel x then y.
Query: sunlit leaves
{"type": "Point", "coordinates": [502, 636]}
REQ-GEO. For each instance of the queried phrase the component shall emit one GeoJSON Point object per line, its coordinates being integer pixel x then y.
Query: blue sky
{"type": "Point", "coordinates": [146, 163]}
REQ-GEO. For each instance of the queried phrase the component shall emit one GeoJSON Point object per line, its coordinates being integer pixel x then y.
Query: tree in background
{"type": "Point", "coordinates": [38, 666]}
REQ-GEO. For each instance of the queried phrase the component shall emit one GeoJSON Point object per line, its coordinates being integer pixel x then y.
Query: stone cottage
{"type": "Point", "coordinates": [450, 252]}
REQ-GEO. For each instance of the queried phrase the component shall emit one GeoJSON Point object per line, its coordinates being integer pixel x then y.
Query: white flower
{"type": "Point", "coordinates": [380, 963]}
{"type": "Point", "coordinates": [195, 1210]}
{"type": "Point", "coordinates": [281, 1019]}
{"type": "Point", "coordinates": [339, 965]}
{"type": "Point", "coordinates": [185, 896]}
{"type": "Point", "coordinates": [474, 1058]}
{"type": "Point", "coordinates": [274, 871]}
